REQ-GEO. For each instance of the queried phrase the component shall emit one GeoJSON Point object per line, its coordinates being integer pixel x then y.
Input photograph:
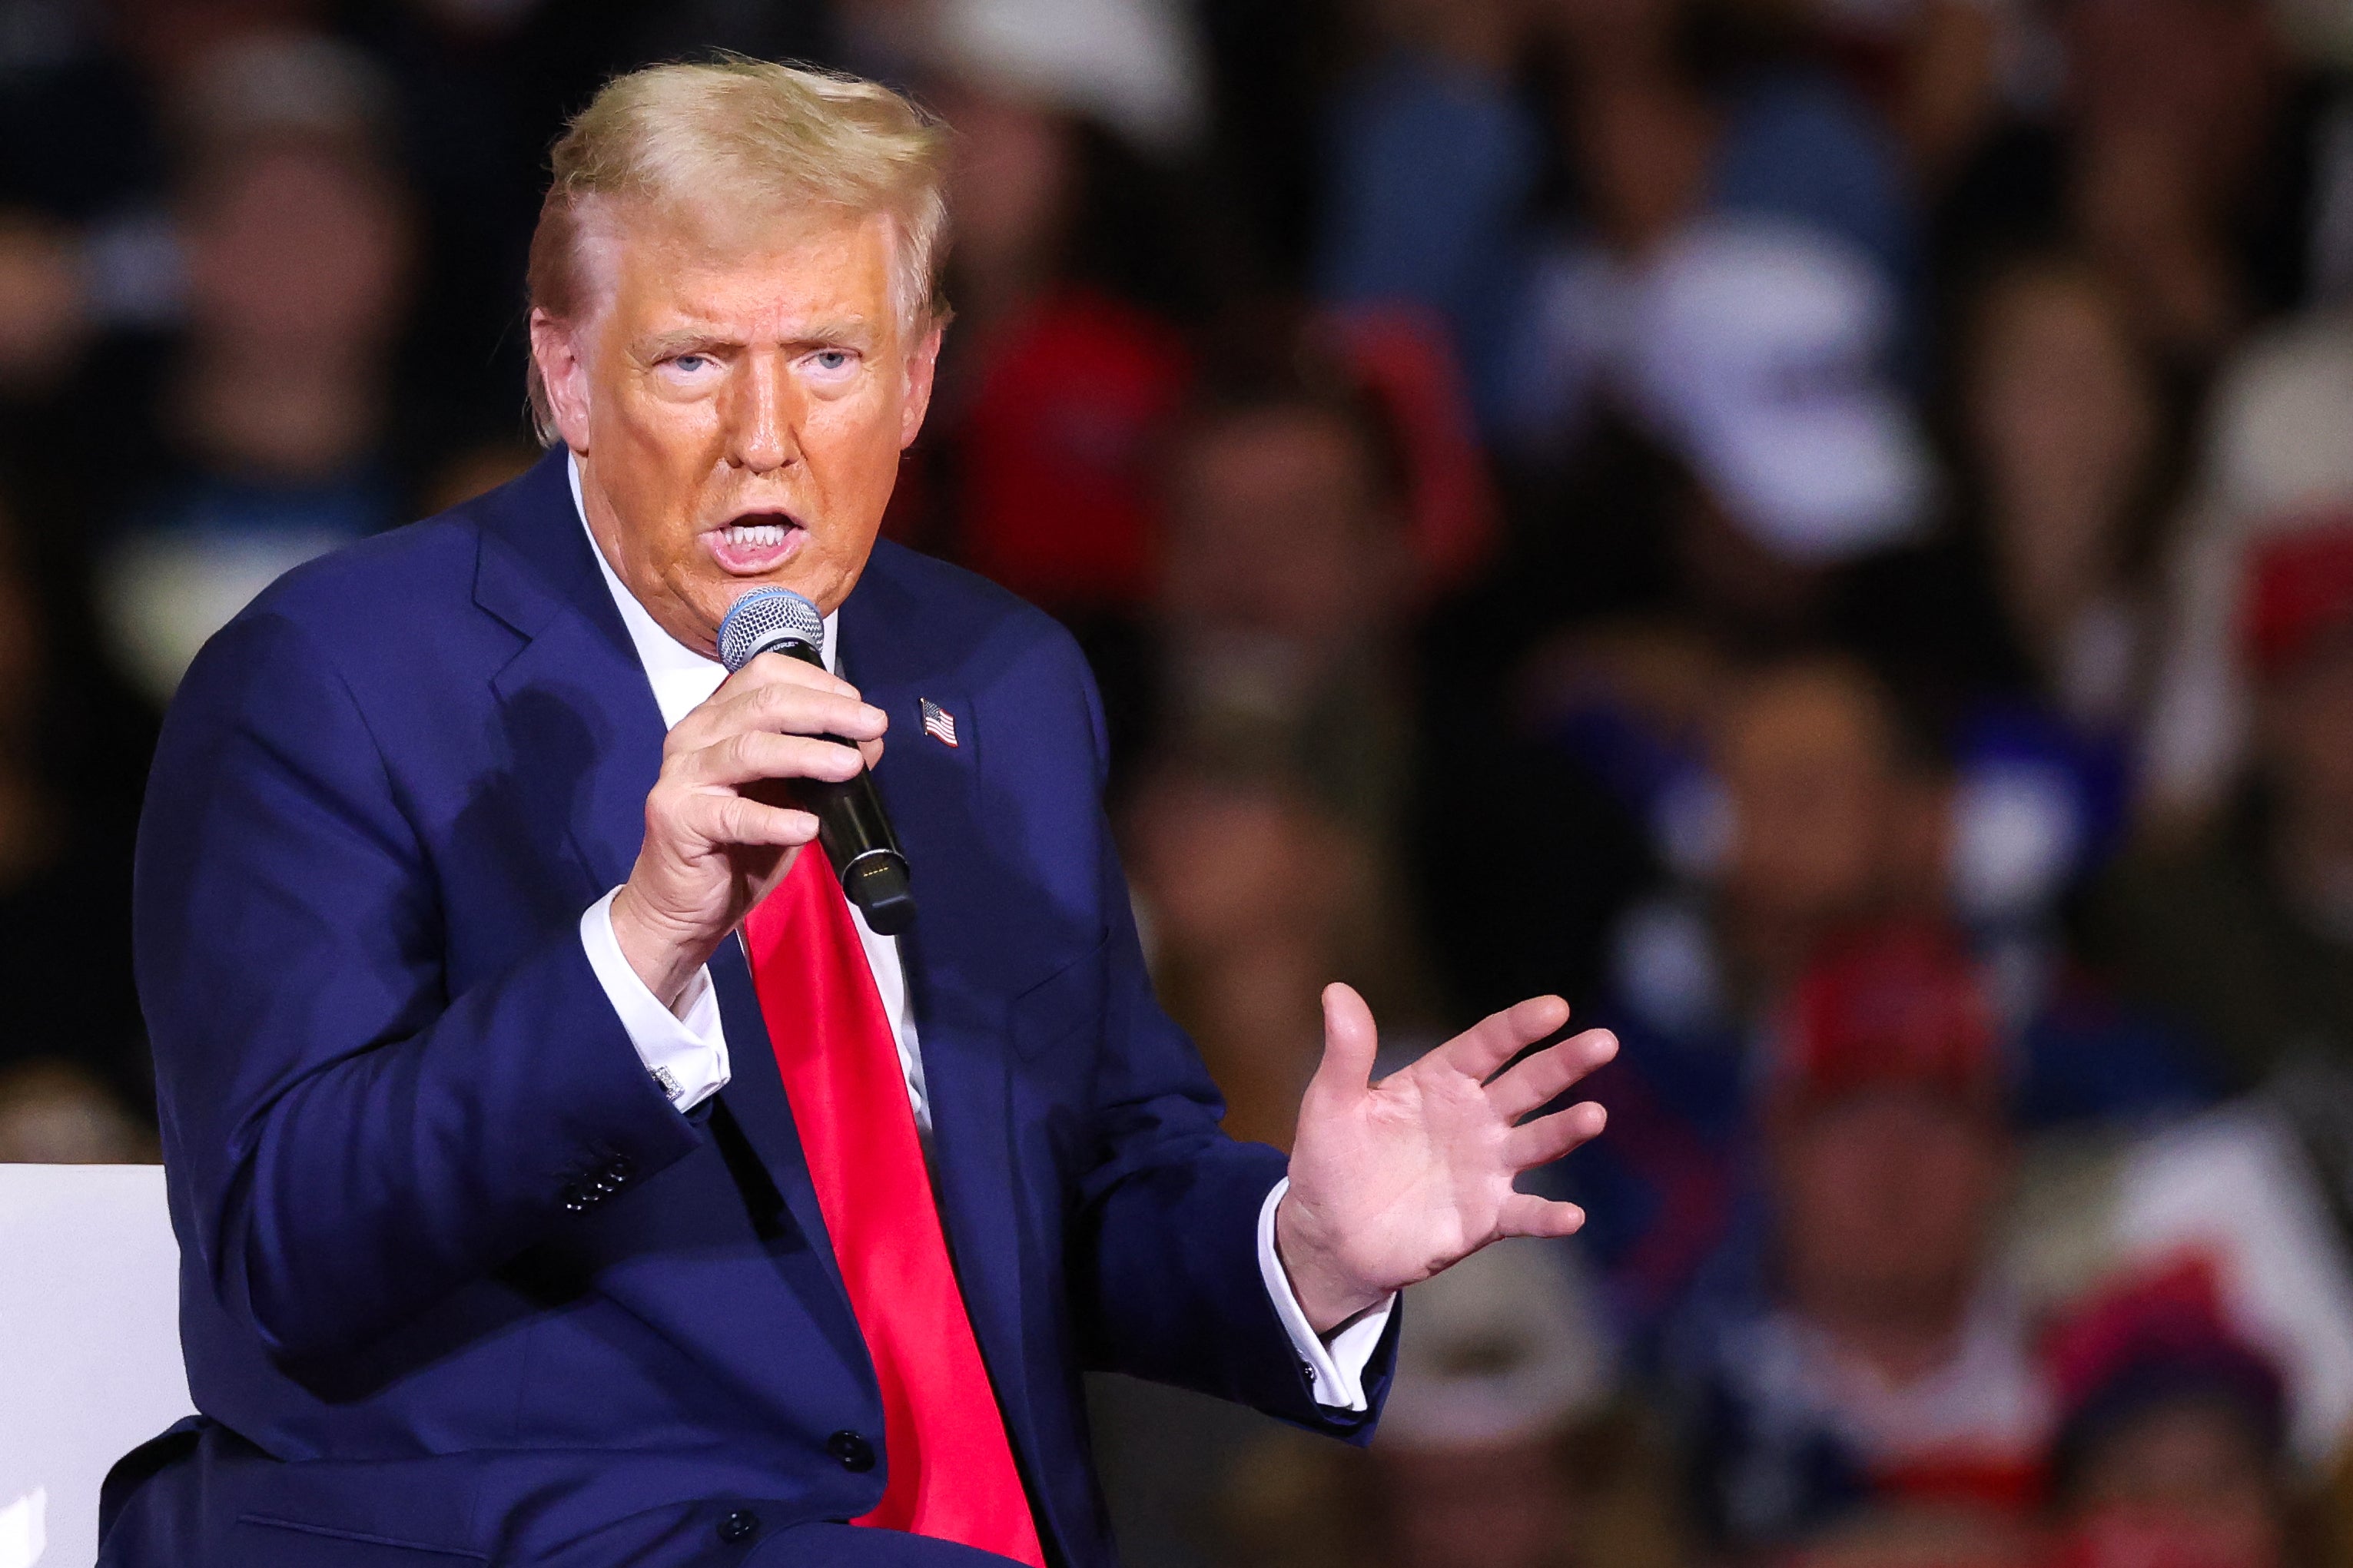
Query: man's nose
{"type": "Point", "coordinates": [764, 431]}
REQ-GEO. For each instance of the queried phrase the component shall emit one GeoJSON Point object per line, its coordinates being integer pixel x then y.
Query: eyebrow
{"type": "Point", "coordinates": [679, 340]}
{"type": "Point", "coordinates": [853, 331]}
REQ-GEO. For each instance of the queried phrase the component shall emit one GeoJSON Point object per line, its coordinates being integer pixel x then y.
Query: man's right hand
{"type": "Point", "coordinates": [718, 837]}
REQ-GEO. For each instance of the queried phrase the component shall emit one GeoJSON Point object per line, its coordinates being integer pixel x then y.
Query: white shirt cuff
{"type": "Point", "coordinates": [1336, 1370]}
{"type": "Point", "coordinates": [686, 1051]}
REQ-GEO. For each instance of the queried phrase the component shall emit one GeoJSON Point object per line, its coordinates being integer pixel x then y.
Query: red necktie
{"type": "Point", "coordinates": [951, 1467]}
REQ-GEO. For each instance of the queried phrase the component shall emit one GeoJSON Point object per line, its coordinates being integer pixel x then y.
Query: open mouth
{"type": "Point", "coordinates": [755, 543]}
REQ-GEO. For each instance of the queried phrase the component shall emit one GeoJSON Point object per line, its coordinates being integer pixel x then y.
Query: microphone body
{"type": "Point", "coordinates": [852, 826]}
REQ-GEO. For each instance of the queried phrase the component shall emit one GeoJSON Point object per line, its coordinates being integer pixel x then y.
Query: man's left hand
{"type": "Point", "coordinates": [1392, 1182]}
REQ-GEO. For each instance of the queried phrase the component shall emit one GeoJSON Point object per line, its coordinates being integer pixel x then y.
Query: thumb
{"type": "Point", "coordinates": [1350, 1043]}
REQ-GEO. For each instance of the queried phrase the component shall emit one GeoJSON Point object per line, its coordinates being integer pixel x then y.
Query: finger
{"type": "Point", "coordinates": [1547, 1138]}
{"type": "Point", "coordinates": [712, 715]}
{"type": "Point", "coordinates": [784, 706]}
{"type": "Point", "coordinates": [784, 670]}
{"type": "Point", "coordinates": [1350, 1044]}
{"type": "Point", "coordinates": [1497, 1038]}
{"type": "Point", "coordinates": [1548, 1073]}
{"type": "Point", "coordinates": [751, 755]}
{"type": "Point", "coordinates": [736, 820]}
{"type": "Point", "coordinates": [804, 710]}
{"type": "Point", "coordinates": [1524, 1213]}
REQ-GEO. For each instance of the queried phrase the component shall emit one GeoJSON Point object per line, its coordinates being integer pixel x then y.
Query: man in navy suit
{"type": "Point", "coordinates": [502, 1240]}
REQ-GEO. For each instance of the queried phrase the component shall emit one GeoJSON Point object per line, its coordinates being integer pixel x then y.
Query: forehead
{"type": "Point", "coordinates": [1802, 715]}
{"type": "Point", "coordinates": [659, 269]}
{"type": "Point", "coordinates": [1288, 445]}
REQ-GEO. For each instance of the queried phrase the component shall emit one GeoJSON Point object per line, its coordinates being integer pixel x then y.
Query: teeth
{"type": "Point", "coordinates": [756, 535]}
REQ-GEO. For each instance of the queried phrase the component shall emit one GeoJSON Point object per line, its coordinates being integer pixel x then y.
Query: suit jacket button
{"type": "Point", "coordinates": [740, 1525]}
{"type": "Point", "coordinates": [853, 1449]}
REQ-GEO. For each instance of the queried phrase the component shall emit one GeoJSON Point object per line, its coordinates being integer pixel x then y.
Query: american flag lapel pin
{"type": "Point", "coordinates": [939, 723]}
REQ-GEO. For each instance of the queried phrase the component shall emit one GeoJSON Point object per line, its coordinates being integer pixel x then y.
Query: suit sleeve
{"type": "Point", "coordinates": [350, 1141]}
{"type": "Point", "coordinates": [1166, 1257]}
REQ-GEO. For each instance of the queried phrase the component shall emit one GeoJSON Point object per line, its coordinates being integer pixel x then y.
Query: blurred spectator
{"type": "Point", "coordinates": [1253, 897]}
{"type": "Point", "coordinates": [1819, 808]}
{"type": "Point", "coordinates": [2247, 929]}
{"type": "Point", "coordinates": [1072, 258]}
{"type": "Point", "coordinates": [1884, 1362]}
{"type": "Point", "coordinates": [1284, 583]}
{"type": "Point", "coordinates": [1940, 72]}
{"type": "Point", "coordinates": [1492, 1452]}
{"type": "Point", "coordinates": [1056, 387]}
{"type": "Point", "coordinates": [1775, 457]}
{"type": "Point", "coordinates": [279, 415]}
{"type": "Point", "coordinates": [2063, 425]}
{"type": "Point", "coordinates": [44, 310]}
{"type": "Point", "coordinates": [1132, 65]}
{"type": "Point", "coordinates": [1758, 354]}
{"type": "Point", "coordinates": [68, 805]}
{"type": "Point", "coordinates": [2171, 1452]}
{"type": "Point", "coordinates": [1471, 1468]}
{"type": "Point", "coordinates": [1672, 108]}
{"type": "Point", "coordinates": [2188, 153]}
{"type": "Point", "coordinates": [1812, 815]}
{"type": "Point", "coordinates": [1432, 162]}
{"type": "Point", "coordinates": [1748, 455]}
{"type": "Point", "coordinates": [2066, 473]}
{"type": "Point", "coordinates": [55, 1114]}
{"type": "Point", "coordinates": [1405, 368]}
{"type": "Point", "coordinates": [2273, 459]}
{"type": "Point", "coordinates": [1810, 807]}
{"type": "Point", "coordinates": [1806, 814]}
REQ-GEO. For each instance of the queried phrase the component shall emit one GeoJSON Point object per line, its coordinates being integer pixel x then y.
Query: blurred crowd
{"type": "Point", "coordinates": [1821, 530]}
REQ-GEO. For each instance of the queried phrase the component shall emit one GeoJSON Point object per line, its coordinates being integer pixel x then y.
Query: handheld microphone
{"type": "Point", "coordinates": [851, 825]}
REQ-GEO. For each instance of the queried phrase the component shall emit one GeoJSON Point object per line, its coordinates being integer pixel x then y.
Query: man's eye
{"type": "Point", "coordinates": [689, 364]}
{"type": "Point", "coordinates": [830, 359]}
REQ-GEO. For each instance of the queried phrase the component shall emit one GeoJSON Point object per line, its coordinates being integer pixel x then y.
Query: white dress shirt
{"type": "Point", "coordinates": [686, 1051]}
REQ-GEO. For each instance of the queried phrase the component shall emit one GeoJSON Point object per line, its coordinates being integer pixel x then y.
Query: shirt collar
{"type": "Point", "coordinates": [682, 678]}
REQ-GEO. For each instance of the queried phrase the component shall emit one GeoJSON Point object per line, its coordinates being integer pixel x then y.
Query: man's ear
{"type": "Point", "coordinates": [563, 373]}
{"type": "Point", "coordinates": [922, 365]}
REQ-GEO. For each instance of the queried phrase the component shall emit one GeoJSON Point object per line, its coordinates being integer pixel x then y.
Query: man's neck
{"type": "Point", "coordinates": [1900, 1341]}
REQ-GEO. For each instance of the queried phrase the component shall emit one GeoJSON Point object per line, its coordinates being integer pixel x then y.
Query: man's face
{"type": "Point", "coordinates": [1276, 529]}
{"type": "Point", "coordinates": [1809, 766]}
{"type": "Point", "coordinates": [296, 251]}
{"type": "Point", "coordinates": [737, 409]}
{"type": "Point", "coordinates": [2309, 727]}
{"type": "Point", "coordinates": [1884, 1199]}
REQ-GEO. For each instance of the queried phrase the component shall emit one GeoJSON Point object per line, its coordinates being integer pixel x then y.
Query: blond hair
{"type": "Point", "coordinates": [755, 136]}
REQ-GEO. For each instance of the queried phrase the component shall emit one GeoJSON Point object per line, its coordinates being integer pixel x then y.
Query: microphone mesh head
{"type": "Point", "coordinates": [764, 619]}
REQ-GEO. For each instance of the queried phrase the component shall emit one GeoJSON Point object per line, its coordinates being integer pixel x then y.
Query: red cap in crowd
{"type": "Point", "coordinates": [2299, 589]}
{"type": "Point", "coordinates": [2150, 1332]}
{"type": "Point", "coordinates": [1898, 1006]}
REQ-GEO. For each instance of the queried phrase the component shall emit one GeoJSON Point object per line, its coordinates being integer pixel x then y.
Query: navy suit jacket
{"type": "Point", "coordinates": [458, 1283]}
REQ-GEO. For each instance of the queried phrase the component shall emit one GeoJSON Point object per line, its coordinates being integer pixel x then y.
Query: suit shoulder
{"type": "Point", "coordinates": [385, 612]}
{"type": "Point", "coordinates": [423, 568]}
{"type": "Point", "coordinates": [982, 623]}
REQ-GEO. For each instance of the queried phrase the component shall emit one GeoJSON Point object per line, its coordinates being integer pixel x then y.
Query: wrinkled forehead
{"type": "Point", "coordinates": [778, 258]}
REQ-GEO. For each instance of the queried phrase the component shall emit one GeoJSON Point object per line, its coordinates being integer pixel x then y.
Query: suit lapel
{"type": "Point", "coordinates": [932, 792]}
{"type": "Point", "coordinates": [575, 698]}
